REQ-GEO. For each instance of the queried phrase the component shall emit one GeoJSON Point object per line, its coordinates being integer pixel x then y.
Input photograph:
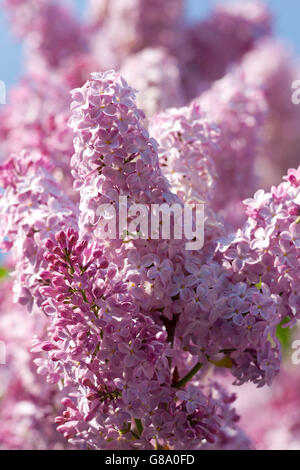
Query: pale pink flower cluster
{"type": "Point", "coordinates": [240, 110]}
{"type": "Point", "coordinates": [187, 140]}
{"type": "Point", "coordinates": [272, 67]}
{"type": "Point", "coordinates": [127, 336]}
{"type": "Point", "coordinates": [51, 32]}
{"type": "Point", "coordinates": [266, 250]}
{"type": "Point", "coordinates": [214, 44]}
{"type": "Point", "coordinates": [158, 89]}
{"type": "Point", "coordinates": [128, 26]}
{"type": "Point", "coordinates": [28, 403]}
{"type": "Point", "coordinates": [273, 420]}
{"type": "Point", "coordinates": [36, 119]}
{"type": "Point", "coordinates": [31, 206]}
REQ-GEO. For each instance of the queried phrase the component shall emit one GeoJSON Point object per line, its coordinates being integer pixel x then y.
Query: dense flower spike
{"type": "Point", "coordinates": [104, 350]}
{"type": "Point", "coordinates": [155, 74]}
{"type": "Point", "coordinates": [272, 68]}
{"type": "Point", "coordinates": [210, 308]}
{"type": "Point", "coordinates": [130, 26]}
{"type": "Point", "coordinates": [50, 31]}
{"type": "Point", "coordinates": [36, 120]}
{"type": "Point", "coordinates": [28, 403]}
{"type": "Point", "coordinates": [114, 360]}
{"type": "Point", "coordinates": [114, 155]}
{"type": "Point", "coordinates": [266, 251]}
{"type": "Point", "coordinates": [187, 141]}
{"type": "Point", "coordinates": [221, 40]}
{"type": "Point", "coordinates": [132, 332]}
{"type": "Point", "coordinates": [32, 206]}
{"type": "Point", "coordinates": [240, 111]}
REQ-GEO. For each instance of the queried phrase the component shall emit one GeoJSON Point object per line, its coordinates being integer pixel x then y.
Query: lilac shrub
{"type": "Point", "coordinates": [127, 337]}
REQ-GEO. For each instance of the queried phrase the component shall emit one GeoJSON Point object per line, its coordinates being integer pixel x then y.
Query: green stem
{"type": "Point", "coordinates": [84, 296]}
{"type": "Point", "coordinates": [135, 435]}
{"type": "Point", "coordinates": [3, 272]}
{"type": "Point", "coordinates": [182, 382]}
{"type": "Point", "coordinates": [139, 426]}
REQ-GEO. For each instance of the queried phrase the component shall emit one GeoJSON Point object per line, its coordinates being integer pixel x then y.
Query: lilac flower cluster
{"type": "Point", "coordinates": [266, 251]}
{"type": "Point", "coordinates": [35, 120]}
{"type": "Point", "coordinates": [126, 27]}
{"type": "Point", "coordinates": [28, 403]}
{"type": "Point", "coordinates": [191, 287]}
{"type": "Point", "coordinates": [129, 336]}
{"type": "Point", "coordinates": [31, 206]}
{"type": "Point", "coordinates": [44, 24]}
{"type": "Point", "coordinates": [221, 40]}
{"type": "Point", "coordinates": [160, 88]}
{"type": "Point", "coordinates": [240, 110]}
{"type": "Point", "coordinates": [113, 359]}
{"type": "Point", "coordinates": [187, 141]}
{"type": "Point", "coordinates": [107, 325]}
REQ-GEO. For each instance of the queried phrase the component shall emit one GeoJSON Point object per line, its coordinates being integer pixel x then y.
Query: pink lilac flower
{"type": "Point", "coordinates": [272, 67]}
{"type": "Point", "coordinates": [204, 332]}
{"type": "Point", "coordinates": [32, 206]}
{"type": "Point", "coordinates": [240, 111]}
{"type": "Point", "coordinates": [272, 419]}
{"type": "Point", "coordinates": [272, 260]}
{"type": "Point", "coordinates": [36, 120]}
{"type": "Point", "coordinates": [98, 345]}
{"type": "Point", "coordinates": [213, 45]}
{"type": "Point", "coordinates": [103, 346]}
{"type": "Point", "coordinates": [28, 403]}
{"type": "Point", "coordinates": [50, 30]}
{"type": "Point", "coordinates": [128, 330]}
{"type": "Point", "coordinates": [187, 141]}
{"type": "Point", "coordinates": [113, 357]}
{"type": "Point", "coordinates": [155, 74]}
{"type": "Point", "coordinates": [127, 27]}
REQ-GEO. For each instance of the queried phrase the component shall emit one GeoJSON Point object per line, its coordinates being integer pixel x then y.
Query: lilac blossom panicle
{"type": "Point", "coordinates": [122, 342]}
{"type": "Point", "coordinates": [32, 206]}
{"type": "Point", "coordinates": [272, 67]}
{"type": "Point", "coordinates": [211, 309]}
{"type": "Point", "coordinates": [50, 31]}
{"type": "Point", "coordinates": [28, 403]}
{"type": "Point", "coordinates": [127, 27]}
{"type": "Point", "coordinates": [114, 360]}
{"type": "Point", "coordinates": [240, 110]}
{"type": "Point", "coordinates": [217, 42]}
{"type": "Point", "coordinates": [265, 251]}
{"type": "Point", "coordinates": [187, 141]}
{"type": "Point", "coordinates": [35, 120]}
{"type": "Point", "coordinates": [110, 357]}
{"type": "Point", "coordinates": [155, 74]}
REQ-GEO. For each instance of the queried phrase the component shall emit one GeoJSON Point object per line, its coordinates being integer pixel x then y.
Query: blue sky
{"type": "Point", "coordinates": [287, 16]}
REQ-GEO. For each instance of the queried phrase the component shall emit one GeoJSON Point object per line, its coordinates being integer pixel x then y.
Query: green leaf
{"type": "Point", "coordinates": [3, 272]}
{"type": "Point", "coordinates": [284, 335]}
{"type": "Point", "coordinates": [226, 362]}
{"type": "Point", "coordinates": [259, 284]}
{"type": "Point", "coordinates": [139, 427]}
